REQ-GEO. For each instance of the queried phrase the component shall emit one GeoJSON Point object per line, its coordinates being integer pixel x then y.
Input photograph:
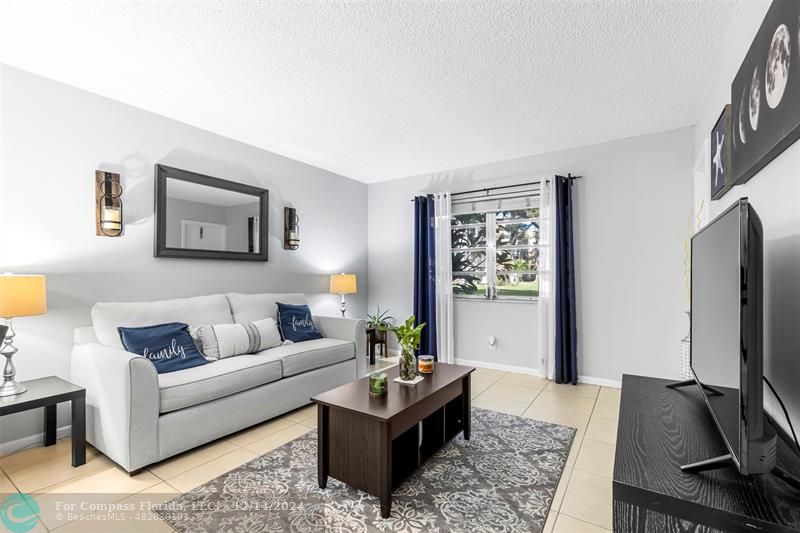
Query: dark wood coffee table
{"type": "Point", "coordinates": [373, 444]}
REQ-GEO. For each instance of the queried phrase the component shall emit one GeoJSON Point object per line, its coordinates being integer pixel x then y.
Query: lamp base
{"type": "Point", "coordinates": [11, 388]}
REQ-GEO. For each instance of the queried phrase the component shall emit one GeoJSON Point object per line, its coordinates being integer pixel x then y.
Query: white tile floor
{"type": "Point", "coordinates": [582, 502]}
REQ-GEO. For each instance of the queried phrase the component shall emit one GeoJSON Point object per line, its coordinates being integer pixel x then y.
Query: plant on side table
{"type": "Point", "coordinates": [381, 322]}
{"type": "Point", "coordinates": [408, 336]}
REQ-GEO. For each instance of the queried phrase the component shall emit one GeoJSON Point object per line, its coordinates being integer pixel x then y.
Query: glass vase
{"type": "Point", "coordinates": [408, 365]}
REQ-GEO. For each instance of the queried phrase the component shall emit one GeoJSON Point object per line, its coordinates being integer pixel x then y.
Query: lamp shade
{"type": "Point", "coordinates": [22, 296]}
{"type": "Point", "coordinates": [343, 284]}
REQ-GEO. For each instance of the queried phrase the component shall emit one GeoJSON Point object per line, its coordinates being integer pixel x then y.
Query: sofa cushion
{"type": "Point", "coordinates": [310, 355]}
{"type": "Point", "coordinates": [168, 346]}
{"type": "Point", "coordinates": [216, 380]}
{"type": "Point", "coordinates": [252, 307]}
{"type": "Point", "coordinates": [198, 311]}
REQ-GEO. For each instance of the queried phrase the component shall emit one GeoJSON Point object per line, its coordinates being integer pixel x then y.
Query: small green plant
{"type": "Point", "coordinates": [408, 335]}
{"type": "Point", "coordinates": [382, 321]}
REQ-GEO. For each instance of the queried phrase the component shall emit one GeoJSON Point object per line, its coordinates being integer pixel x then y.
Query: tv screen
{"type": "Point", "coordinates": [726, 333]}
{"type": "Point", "coordinates": [716, 329]}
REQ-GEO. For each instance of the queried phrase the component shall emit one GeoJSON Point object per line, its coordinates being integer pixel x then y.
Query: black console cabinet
{"type": "Point", "coordinates": [661, 429]}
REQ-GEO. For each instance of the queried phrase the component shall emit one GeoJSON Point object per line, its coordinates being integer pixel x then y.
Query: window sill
{"type": "Point", "coordinates": [497, 300]}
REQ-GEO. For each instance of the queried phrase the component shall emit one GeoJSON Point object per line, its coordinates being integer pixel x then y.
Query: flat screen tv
{"type": "Point", "coordinates": [726, 331]}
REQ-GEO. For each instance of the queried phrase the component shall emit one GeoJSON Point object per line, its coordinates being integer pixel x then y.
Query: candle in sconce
{"type": "Point", "coordinates": [111, 218]}
{"type": "Point", "coordinates": [108, 213]}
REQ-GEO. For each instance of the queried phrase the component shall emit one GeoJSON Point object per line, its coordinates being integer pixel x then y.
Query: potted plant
{"type": "Point", "coordinates": [408, 336]}
{"type": "Point", "coordinates": [381, 322]}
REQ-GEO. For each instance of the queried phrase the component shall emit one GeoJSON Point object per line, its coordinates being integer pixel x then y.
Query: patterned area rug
{"type": "Point", "coordinates": [502, 479]}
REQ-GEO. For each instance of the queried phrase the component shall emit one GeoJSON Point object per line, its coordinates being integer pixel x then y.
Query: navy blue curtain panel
{"type": "Point", "coordinates": [566, 370]}
{"type": "Point", "coordinates": [425, 273]}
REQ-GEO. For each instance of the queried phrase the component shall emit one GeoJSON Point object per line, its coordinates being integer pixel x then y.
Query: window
{"type": "Point", "coordinates": [504, 266]}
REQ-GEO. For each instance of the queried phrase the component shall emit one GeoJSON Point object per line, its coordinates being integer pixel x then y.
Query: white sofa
{"type": "Point", "coordinates": [138, 417]}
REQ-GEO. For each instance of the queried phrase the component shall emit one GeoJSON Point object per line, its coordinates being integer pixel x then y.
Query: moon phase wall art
{"type": "Point", "coordinates": [765, 94]}
{"type": "Point", "coordinates": [721, 171]}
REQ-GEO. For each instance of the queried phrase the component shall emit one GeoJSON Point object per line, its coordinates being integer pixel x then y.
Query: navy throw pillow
{"type": "Point", "coordinates": [168, 346]}
{"type": "Point", "coordinates": [296, 324]}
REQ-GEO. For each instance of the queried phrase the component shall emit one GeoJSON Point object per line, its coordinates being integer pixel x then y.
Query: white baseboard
{"type": "Point", "coordinates": [498, 366]}
{"type": "Point", "coordinates": [603, 382]}
{"type": "Point", "coordinates": [31, 441]}
{"type": "Point", "coordinates": [589, 380]}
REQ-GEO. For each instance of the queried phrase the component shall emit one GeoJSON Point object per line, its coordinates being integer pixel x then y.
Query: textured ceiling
{"type": "Point", "coordinates": [383, 90]}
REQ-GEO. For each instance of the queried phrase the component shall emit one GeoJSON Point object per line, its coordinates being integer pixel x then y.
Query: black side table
{"type": "Point", "coordinates": [48, 393]}
{"type": "Point", "coordinates": [375, 339]}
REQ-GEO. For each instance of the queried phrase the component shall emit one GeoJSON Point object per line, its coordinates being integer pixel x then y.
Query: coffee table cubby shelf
{"type": "Point", "coordinates": [411, 449]}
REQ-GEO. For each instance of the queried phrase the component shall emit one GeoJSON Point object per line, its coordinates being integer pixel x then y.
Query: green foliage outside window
{"type": "Point", "coordinates": [516, 261]}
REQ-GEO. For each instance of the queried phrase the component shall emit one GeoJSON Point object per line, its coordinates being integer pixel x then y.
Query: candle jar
{"type": "Point", "coordinates": [377, 384]}
{"type": "Point", "coordinates": [425, 363]}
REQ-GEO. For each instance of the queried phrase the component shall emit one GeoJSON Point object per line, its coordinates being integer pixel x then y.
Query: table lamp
{"type": "Point", "coordinates": [19, 296]}
{"type": "Point", "coordinates": [343, 284]}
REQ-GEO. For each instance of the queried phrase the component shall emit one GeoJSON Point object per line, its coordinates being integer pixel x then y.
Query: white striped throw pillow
{"type": "Point", "coordinates": [226, 340]}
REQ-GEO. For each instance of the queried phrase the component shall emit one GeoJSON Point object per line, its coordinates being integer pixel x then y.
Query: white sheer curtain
{"type": "Point", "coordinates": [547, 307]}
{"type": "Point", "coordinates": [444, 277]}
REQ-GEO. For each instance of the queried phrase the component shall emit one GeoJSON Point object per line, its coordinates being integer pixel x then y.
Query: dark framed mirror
{"type": "Point", "coordinates": [203, 217]}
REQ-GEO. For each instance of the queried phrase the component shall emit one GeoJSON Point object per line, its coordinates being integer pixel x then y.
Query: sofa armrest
{"type": "Point", "coordinates": [122, 402]}
{"type": "Point", "coordinates": [346, 329]}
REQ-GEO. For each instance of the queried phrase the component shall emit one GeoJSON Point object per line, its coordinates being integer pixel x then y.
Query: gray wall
{"type": "Point", "coordinates": [635, 197]}
{"type": "Point", "coordinates": [178, 210]}
{"type": "Point", "coordinates": [236, 219]}
{"type": "Point", "coordinates": [53, 137]}
{"type": "Point", "coordinates": [775, 194]}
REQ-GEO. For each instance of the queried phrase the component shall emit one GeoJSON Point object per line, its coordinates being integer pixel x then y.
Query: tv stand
{"type": "Point", "coordinates": [723, 461]}
{"type": "Point", "coordinates": [689, 382]}
{"type": "Point", "coordinates": [659, 431]}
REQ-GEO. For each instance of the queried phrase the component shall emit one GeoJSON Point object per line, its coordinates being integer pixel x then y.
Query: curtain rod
{"type": "Point", "coordinates": [487, 190]}
{"type": "Point", "coordinates": [491, 199]}
{"type": "Point", "coordinates": [508, 195]}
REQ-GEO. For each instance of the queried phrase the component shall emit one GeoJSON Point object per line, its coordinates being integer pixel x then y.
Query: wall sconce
{"type": "Point", "coordinates": [291, 229]}
{"type": "Point", "coordinates": [108, 202]}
